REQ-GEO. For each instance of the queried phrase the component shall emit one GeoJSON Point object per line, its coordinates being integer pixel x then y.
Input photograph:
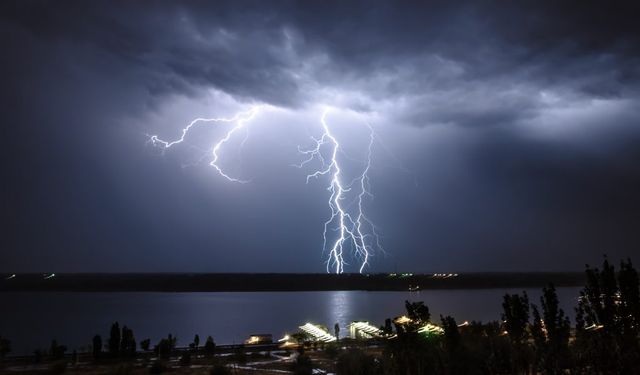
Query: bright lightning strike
{"type": "Point", "coordinates": [240, 119]}
{"type": "Point", "coordinates": [353, 227]}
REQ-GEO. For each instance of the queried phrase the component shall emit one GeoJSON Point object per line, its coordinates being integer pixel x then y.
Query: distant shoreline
{"type": "Point", "coordinates": [280, 282]}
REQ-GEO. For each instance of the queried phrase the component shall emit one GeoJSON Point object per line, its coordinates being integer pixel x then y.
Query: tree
{"type": "Point", "coordinates": [418, 312]}
{"type": "Point", "coordinates": [551, 333]}
{"type": "Point", "coordinates": [483, 350]}
{"type": "Point", "coordinates": [451, 334]}
{"type": "Point", "coordinates": [607, 320]}
{"type": "Point", "coordinates": [629, 292]}
{"type": "Point", "coordinates": [128, 343]}
{"type": "Point", "coordinates": [114, 340]}
{"type": "Point", "coordinates": [465, 354]}
{"type": "Point", "coordinates": [453, 348]}
{"type": "Point", "coordinates": [163, 349]}
{"type": "Point", "coordinates": [97, 347]}
{"type": "Point", "coordinates": [419, 315]}
{"type": "Point", "coordinates": [145, 344]}
{"type": "Point", "coordinates": [5, 347]}
{"type": "Point", "coordinates": [196, 341]}
{"type": "Point", "coordinates": [172, 341]}
{"type": "Point", "coordinates": [56, 351]}
{"type": "Point", "coordinates": [209, 346]}
{"type": "Point", "coordinates": [300, 337]}
{"type": "Point", "coordinates": [387, 329]}
{"type": "Point", "coordinates": [515, 318]}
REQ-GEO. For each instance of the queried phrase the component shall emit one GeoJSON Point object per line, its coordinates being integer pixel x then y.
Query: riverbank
{"type": "Point", "coordinates": [285, 282]}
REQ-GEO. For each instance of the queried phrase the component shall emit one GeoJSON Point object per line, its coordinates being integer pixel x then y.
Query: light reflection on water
{"type": "Point", "coordinates": [31, 320]}
{"type": "Point", "coordinates": [340, 311]}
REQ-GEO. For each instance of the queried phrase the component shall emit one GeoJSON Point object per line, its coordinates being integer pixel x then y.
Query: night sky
{"type": "Point", "coordinates": [507, 136]}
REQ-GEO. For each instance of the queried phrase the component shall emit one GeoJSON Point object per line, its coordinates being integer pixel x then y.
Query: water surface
{"type": "Point", "coordinates": [30, 319]}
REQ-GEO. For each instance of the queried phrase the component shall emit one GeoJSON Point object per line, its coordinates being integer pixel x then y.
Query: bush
{"type": "Point", "coordinates": [163, 349]}
{"type": "Point", "coordinates": [332, 350]}
{"type": "Point", "coordinates": [145, 344]}
{"type": "Point", "coordinates": [210, 346]}
{"type": "Point", "coordinates": [57, 351]}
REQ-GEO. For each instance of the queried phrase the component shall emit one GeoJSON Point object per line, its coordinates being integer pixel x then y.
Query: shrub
{"type": "Point", "coordinates": [332, 350]}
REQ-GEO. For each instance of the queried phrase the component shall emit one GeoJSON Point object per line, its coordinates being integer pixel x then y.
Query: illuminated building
{"type": "Point", "coordinates": [426, 329]}
{"type": "Point", "coordinates": [364, 330]}
{"type": "Point", "coordinates": [263, 338]}
{"type": "Point", "coordinates": [318, 333]}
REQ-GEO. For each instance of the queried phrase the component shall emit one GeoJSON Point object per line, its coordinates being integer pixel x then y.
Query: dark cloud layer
{"type": "Point", "coordinates": [536, 106]}
{"type": "Point", "coordinates": [273, 53]}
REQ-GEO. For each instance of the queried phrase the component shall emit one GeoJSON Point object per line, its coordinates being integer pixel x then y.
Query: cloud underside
{"type": "Point", "coordinates": [472, 64]}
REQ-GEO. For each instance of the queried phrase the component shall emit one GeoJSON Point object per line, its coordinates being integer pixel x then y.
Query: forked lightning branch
{"type": "Point", "coordinates": [348, 235]}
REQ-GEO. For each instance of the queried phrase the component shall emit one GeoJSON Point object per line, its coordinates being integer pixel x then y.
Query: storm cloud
{"type": "Point", "coordinates": [509, 132]}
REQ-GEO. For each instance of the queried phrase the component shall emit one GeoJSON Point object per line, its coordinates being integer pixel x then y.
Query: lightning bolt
{"type": "Point", "coordinates": [353, 227]}
{"type": "Point", "coordinates": [240, 119]}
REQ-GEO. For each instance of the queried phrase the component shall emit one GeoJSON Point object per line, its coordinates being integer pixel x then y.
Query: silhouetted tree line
{"type": "Point", "coordinates": [530, 339]}
{"type": "Point", "coordinates": [120, 344]}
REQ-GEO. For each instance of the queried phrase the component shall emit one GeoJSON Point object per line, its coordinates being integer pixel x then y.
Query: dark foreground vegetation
{"type": "Point", "coordinates": [533, 337]}
{"type": "Point", "coordinates": [249, 282]}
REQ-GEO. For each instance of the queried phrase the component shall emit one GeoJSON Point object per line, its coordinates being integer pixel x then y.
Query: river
{"type": "Point", "coordinates": [31, 319]}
